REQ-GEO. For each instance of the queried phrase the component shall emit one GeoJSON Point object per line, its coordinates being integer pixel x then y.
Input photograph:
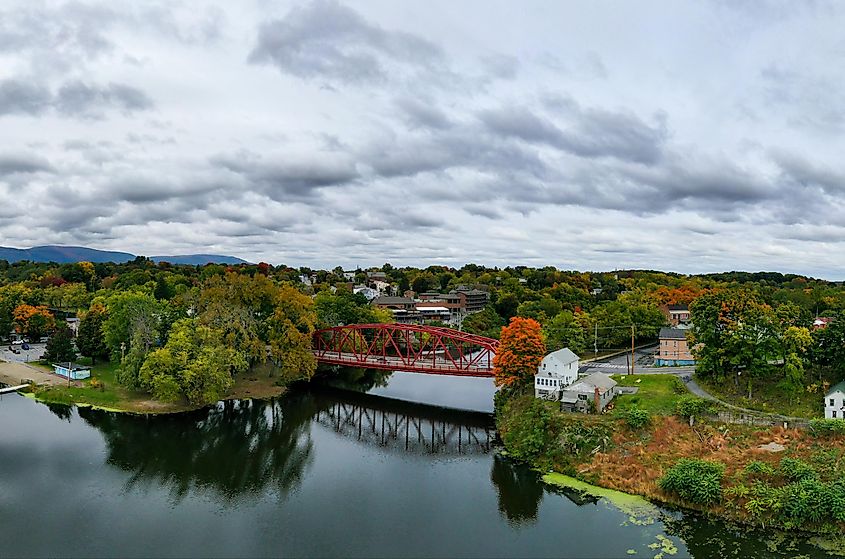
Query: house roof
{"type": "Point", "coordinates": [683, 308]}
{"type": "Point", "coordinates": [72, 366]}
{"type": "Point", "coordinates": [393, 301]}
{"type": "Point", "coordinates": [591, 382]}
{"type": "Point", "coordinates": [563, 356]}
{"type": "Point", "coordinates": [838, 387]}
{"type": "Point", "coordinates": [672, 334]}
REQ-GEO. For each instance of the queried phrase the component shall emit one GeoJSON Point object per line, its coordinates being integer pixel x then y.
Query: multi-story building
{"type": "Point", "coordinates": [674, 349]}
{"type": "Point", "coordinates": [676, 314]}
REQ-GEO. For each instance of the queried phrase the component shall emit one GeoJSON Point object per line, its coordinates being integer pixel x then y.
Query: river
{"type": "Point", "coordinates": [319, 472]}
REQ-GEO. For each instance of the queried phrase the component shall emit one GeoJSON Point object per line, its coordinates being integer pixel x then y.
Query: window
{"type": "Point", "coordinates": [834, 414]}
{"type": "Point", "coordinates": [831, 402]}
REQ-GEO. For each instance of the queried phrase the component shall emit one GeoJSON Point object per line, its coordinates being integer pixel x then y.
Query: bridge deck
{"type": "Point", "coordinates": [12, 388]}
{"type": "Point", "coordinates": [391, 363]}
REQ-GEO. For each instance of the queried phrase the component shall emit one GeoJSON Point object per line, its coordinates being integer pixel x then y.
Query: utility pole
{"type": "Point", "coordinates": [596, 340]}
{"type": "Point", "coordinates": [632, 349]}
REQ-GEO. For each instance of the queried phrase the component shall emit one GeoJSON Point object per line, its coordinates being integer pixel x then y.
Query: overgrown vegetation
{"type": "Point", "coordinates": [695, 481]}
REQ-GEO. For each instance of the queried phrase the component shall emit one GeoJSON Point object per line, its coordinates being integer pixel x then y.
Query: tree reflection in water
{"type": "Point", "coordinates": [518, 489]}
{"type": "Point", "coordinates": [234, 449]}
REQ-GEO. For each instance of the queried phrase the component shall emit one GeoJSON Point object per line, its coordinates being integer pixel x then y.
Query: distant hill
{"type": "Point", "coordinates": [67, 254]}
{"type": "Point", "coordinates": [198, 259]}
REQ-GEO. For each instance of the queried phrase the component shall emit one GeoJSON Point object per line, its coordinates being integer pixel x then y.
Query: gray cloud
{"type": "Point", "coordinates": [80, 99]}
{"type": "Point", "coordinates": [587, 133]}
{"type": "Point", "coordinates": [288, 179]}
{"type": "Point", "coordinates": [74, 98]}
{"type": "Point", "coordinates": [11, 163]}
{"type": "Point", "coordinates": [326, 40]}
{"type": "Point", "coordinates": [23, 97]}
{"type": "Point", "coordinates": [334, 132]}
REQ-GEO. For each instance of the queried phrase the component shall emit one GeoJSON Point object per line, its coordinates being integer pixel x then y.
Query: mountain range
{"type": "Point", "coordinates": [67, 254]}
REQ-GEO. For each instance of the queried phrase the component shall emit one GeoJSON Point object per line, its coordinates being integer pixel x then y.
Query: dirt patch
{"type": "Point", "coordinates": [18, 373]}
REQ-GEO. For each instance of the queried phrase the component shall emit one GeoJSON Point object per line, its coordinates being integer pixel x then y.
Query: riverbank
{"type": "Point", "coordinates": [787, 478]}
{"type": "Point", "coordinates": [102, 390]}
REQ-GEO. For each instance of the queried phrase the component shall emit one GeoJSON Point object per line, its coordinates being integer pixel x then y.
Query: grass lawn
{"type": "Point", "coordinates": [657, 393]}
{"type": "Point", "coordinates": [102, 390]}
{"type": "Point", "coordinates": [767, 396]}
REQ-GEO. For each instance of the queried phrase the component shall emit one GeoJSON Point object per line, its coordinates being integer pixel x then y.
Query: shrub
{"type": "Point", "coordinates": [810, 500]}
{"type": "Point", "coordinates": [827, 427]}
{"type": "Point", "coordinates": [637, 418]}
{"type": "Point", "coordinates": [797, 470]}
{"type": "Point", "coordinates": [528, 432]}
{"type": "Point", "coordinates": [691, 406]}
{"type": "Point", "coordinates": [96, 384]}
{"type": "Point", "coordinates": [678, 386]}
{"type": "Point", "coordinates": [695, 481]}
{"type": "Point", "coordinates": [758, 467]}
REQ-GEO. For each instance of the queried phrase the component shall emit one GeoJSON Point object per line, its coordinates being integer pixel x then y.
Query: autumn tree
{"type": "Point", "coordinates": [33, 321]}
{"type": "Point", "coordinates": [521, 348]}
{"type": "Point", "coordinates": [10, 297]}
{"type": "Point", "coordinates": [290, 330]}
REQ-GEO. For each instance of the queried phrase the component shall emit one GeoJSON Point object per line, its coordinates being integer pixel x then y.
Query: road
{"type": "Point", "coordinates": [25, 356]}
{"type": "Point", "coordinates": [643, 364]}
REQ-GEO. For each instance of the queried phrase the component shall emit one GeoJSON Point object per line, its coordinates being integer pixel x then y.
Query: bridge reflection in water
{"type": "Point", "coordinates": [408, 427]}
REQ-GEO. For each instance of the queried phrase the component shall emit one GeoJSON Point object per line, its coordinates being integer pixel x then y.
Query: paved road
{"type": "Point", "coordinates": [25, 356]}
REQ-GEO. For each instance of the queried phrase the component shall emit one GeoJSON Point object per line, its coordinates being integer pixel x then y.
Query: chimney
{"type": "Point", "coordinates": [597, 400]}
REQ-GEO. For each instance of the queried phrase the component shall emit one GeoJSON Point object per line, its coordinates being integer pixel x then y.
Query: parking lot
{"type": "Point", "coordinates": [34, 352]}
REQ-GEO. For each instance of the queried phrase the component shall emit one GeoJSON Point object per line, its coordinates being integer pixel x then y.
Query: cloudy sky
{"type": "Point", "coordinates": [687, 136]}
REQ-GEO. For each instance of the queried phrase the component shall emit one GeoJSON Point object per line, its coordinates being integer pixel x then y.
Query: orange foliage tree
{"type": "Point", "coordinates": [521, 348]}
{"type": "Point", "coordinates": [33, 321]}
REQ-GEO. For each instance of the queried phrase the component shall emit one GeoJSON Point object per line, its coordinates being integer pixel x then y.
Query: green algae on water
{"type": "Point", "coordinates": [640, 511]}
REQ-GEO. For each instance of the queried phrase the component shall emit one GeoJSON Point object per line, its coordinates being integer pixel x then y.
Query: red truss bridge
{"type": "Point", "coordinates": [406, 347]}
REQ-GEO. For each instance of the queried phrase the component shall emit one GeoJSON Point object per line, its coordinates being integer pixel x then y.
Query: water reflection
{"type": "Point", "coordinates": [406, 427]}
{"type": "Point", "coordinates": [518, 489]}
{"type": "Point", "coordinates": [241, 448]}
{"type": "Point", "coordinates": [235, 448]}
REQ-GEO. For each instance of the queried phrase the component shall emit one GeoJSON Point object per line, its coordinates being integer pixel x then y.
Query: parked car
{"type": "Point", "coordinates": [25, 346]}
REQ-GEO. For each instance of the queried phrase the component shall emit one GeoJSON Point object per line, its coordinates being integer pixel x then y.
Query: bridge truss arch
{"type": "Point", "coordinates": [406, 347]}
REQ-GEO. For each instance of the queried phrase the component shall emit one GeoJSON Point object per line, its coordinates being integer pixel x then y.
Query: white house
{"type": "Point", "coordinates": [556, 370]}
{"type": "Point", "coordinates": [834, 402]}
{"type": "Point", "coordinates": [367, 292]}
{"type": "Point", "coordinates": [382, 287]}
{"type": "Point", "coordinates": [597, 389]}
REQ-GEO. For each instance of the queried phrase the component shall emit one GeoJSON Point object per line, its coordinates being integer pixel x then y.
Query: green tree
{"type": "Point", "coordinates": [733, 334]}
{"type": "Point", "coordinates": [132, 317]}
{"type": "Point", "coordinates": [60, 345]}
{"type": "Point", "coordinates": [541, 311]}
{"type": "Point", "coordinates": [484, 323]}
{"type": "Point", "coordinates": [90, 339]}
{"type": "Point", "coordinates": [343, 307]}
{"type": "Point", "coordinates": [194, 364]}
{"type": "Point", "coordinates": [565, 331]}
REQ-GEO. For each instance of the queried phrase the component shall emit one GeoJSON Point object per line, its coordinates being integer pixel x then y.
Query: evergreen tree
{"type": "Point", "coordinates": [60, 347]}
